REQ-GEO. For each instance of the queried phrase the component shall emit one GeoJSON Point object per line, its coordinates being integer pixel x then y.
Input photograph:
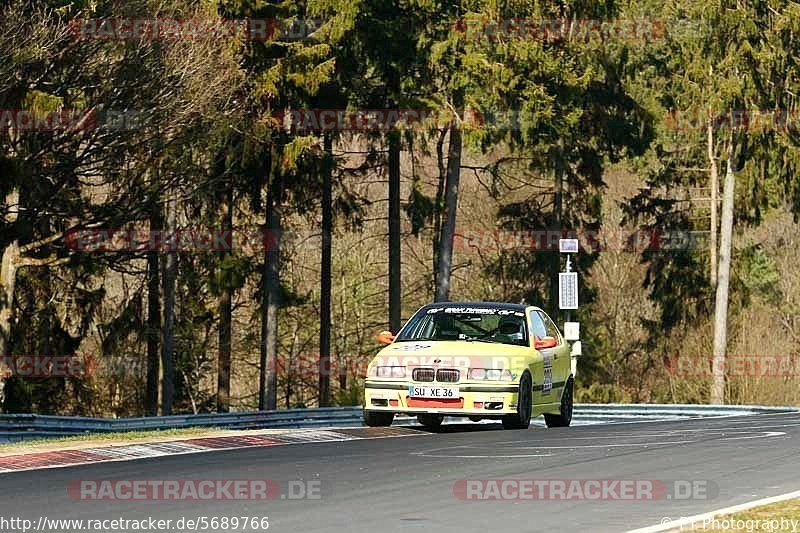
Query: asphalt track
{"type": "Point", "coordinates": [407, 483]}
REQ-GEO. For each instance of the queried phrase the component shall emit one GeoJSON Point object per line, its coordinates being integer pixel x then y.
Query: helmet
{"type": "Point", "coordinates": [512, 328]}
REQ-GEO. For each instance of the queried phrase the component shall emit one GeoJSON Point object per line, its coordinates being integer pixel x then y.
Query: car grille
{"type": "Point", "coordinates": [422, 374]}
{"type": "Point", "coordinates": [448, 375]}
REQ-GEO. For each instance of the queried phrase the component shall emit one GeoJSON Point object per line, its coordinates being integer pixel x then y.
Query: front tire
{"type": "Point", "coordinates": [564, 418]}
{"type": "Point", "coordinates": [430, 421]}
{"type": "Point", "coordinates": [378, 419]}
{"type": "Point", "coordinates": [522, 418]}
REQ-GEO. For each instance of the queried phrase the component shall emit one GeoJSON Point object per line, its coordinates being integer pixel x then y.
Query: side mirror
{"type": "Point", "coordinates": [542, 343]}
{"type": "Point", "coordinates": [385, 337]}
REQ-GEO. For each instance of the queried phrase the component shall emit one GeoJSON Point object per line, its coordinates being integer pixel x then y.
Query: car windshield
{"type": "Point", "coordinates": [469, 324]}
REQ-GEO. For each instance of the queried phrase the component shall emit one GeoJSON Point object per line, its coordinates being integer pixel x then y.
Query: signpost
{"type": "Point", "coordinates": [572, 331]}
{"type": "Point", "coordinates": [568, 280]}
{"type": "Point", "coordinates": [568, 291]}
{"type": "Point", "coordinates": [568, 246]}
{"type": "Point", "coordinates": [568, 300]}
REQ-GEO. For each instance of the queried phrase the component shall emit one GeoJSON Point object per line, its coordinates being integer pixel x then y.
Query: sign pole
{"type": "Point", "coordinates": [568, 269]}
{"type": "Point", "coordinates": [568, 300]}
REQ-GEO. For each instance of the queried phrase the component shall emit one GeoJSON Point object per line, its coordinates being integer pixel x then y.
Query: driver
{"type": "Point", "coordinates": [446, 328]}
{"type": "Point", "coordinates": [511, 329]}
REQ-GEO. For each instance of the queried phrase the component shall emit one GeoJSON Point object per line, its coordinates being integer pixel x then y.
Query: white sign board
{"type": "Point", "coordinates": [572, 331]}
{"type": "Point", "coordinates": [568, 290]}
{"type": "Point", "coordinates": [568, 246]}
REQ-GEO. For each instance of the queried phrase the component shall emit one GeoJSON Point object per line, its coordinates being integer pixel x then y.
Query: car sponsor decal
{"type": "Point", "coordinates": [547, 362]}
{"type": "Point", "coordinates": [475, 311]}
{"type": "Point", "coordinates": [411, 347]}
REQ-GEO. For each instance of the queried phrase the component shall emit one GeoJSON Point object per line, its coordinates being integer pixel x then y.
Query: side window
{"type": "Point", "coordinates": [550, 327]}
{"type": "Point", "coordinates": [537, 325]}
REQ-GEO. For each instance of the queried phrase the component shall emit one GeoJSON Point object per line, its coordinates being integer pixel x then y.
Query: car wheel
{"type": "Point", "coordinates": [522, 418]}
{"type": "Point", "coordinates": [564, 418]}
{"type": "Point", "coordinates": [475, 418]}
{"type": "Point", "coordinates": [430, 421]}
{"type": "Point", "coordinates": [376, 419]}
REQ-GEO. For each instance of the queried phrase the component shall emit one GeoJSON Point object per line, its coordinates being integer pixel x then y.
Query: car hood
{"type": "Point", "coordinates": [454, 354]}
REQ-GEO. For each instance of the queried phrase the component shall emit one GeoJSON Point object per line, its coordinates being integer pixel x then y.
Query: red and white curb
{"type": "Point", "coordinates": [131, 452]}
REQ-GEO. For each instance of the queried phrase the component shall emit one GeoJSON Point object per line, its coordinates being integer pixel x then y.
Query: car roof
{"type": "Point", "coordinates": [490, 305]}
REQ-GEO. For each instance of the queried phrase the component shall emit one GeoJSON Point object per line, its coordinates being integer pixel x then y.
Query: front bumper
{"type": "Point", "coordinates": [480, 400]}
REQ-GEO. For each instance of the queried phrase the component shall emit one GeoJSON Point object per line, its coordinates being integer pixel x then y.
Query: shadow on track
{"type": "Point", "coordinates": [459, 427]}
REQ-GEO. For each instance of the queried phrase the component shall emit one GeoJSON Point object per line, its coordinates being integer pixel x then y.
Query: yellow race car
{"type": "Point", "coordinates": [478, 360]}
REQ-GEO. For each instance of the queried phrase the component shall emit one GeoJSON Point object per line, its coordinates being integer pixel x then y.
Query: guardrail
{"type": "Point", "coordinates": [32, 426]}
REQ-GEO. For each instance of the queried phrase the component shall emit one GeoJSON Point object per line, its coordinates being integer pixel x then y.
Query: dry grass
{"type": "Point", "coordinates": [761, 519]}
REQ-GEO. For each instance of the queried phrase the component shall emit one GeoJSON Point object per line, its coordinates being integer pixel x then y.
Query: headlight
{"type": "Point", "coordinates": [477, 373]}
{"type": "Point", "coordinates": [388, 371]}
{"type": "Point", "coordinates": [489, 374]}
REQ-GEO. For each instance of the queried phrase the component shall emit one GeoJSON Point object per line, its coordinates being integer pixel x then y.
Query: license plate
{"type": "Point", "coordinates": [433, 392]}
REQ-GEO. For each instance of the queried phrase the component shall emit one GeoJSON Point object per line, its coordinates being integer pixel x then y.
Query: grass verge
{"type": "Point", "coordinates": [101, 439]}
{"type": "Point", "coordinates": [781, 516]}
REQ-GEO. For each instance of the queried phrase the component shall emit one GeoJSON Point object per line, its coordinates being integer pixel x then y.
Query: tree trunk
{"type": "Point", "coordinates": [168, 335]}
{"type": "Point", "coordinates": [225, 310]}
{"type": "Point", "coordinates": [437, 212]}
{"type": "Point", "coordinates": [326, 272]}
{"type": "Point", "coordinates": [271, 293]}
{"type": "Point", "coordinates": [395, 304]}
{"type": "Point", "coordinates": [714, 177]}
{"type": "Point", "coordinates": [723, 280]}
{"type": "Point", "coordinates": [8, 278]}
{"type": "Point", "coordinates": [8, 281]}
{"type": "Point", "coordinates": [444, 265]}
{"type": "Point", "coordinates": [153, 317]}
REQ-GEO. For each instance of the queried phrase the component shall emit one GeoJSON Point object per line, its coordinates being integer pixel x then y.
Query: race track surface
{"type": "Point", "coordinates": [415, 483]}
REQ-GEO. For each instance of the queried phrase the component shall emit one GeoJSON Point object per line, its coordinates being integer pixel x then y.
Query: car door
{"type": "Point", "coordinates": [543, 373]}
{"type": "Point", "coordinates": [560, 355]}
